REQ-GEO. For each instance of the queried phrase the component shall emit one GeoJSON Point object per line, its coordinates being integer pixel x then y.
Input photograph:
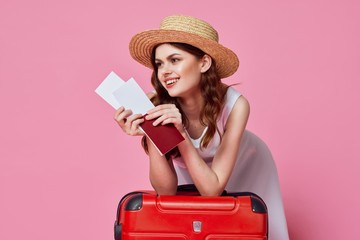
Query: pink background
{"type": "Point", "coordinates": [64, 163]}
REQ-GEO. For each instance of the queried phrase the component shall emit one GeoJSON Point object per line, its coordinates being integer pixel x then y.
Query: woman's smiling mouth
{"type": "Point", "coordinates": [171, 81]}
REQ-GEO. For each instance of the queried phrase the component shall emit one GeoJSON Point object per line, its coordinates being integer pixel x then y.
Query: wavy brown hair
{"type": "Point", "coordinates": [212, 89]}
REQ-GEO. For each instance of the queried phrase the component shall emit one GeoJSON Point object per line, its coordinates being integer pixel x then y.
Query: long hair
{"type": "Point", "coordinates": [212, 89]}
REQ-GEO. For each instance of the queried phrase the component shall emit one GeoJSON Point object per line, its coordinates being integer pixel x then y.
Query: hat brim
{"type": "Point", "coordinates": [142, 44]}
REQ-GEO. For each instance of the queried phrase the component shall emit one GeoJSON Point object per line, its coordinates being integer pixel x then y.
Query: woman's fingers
{"type": "Point", "coordinates": [165, 114]}
{"type": "Point", "coordinates": [118, 112]}
{"type": "Point", "coordinates": [161, 108]}
{"type": "Point", "coordinates": [134, 127]}
{"type": "Point", "coordinates": [168, 117]}
{"type": "Point", "coordinates": [131, 125]}
{"type": "Point", "coordinates": [121, 115]}
{"type": "Point", "coordinates": [128, 122]}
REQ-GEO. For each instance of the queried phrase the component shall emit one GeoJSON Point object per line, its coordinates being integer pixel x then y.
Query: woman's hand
{"type": "Point", "coordinates": [165, 114]}
{"type": "Point", "coordinates": [129, 123]}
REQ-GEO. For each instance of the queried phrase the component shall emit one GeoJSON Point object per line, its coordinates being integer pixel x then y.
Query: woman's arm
{"type": "Point", "coordinates": [162, 174]}
{"type": "Point", "coordinates": [212, 180]}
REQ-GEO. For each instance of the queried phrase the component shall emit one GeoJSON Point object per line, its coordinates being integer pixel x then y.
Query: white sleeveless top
{"type": "Point", "coordinates": [254, 171]}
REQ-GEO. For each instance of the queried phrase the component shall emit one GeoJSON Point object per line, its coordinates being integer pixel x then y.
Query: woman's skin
{"type": "Point", "coordinates": [180, 74]}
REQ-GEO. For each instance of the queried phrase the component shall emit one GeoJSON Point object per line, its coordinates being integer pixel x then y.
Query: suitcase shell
{"type": "Point", "coordinates": [147, 216]}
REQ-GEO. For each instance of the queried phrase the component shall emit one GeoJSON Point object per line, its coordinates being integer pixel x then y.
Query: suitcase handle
{"type": "Point", "coordinates": [257, 202]}
{"type": "Point", "coordinates": [196, 203]}
{"type": "Point", "coordinates": [187, 188]}
{"type": "Point", "coordinates": [190, 189]}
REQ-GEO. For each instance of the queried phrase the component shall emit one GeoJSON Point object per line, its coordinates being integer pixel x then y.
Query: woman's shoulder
{"type": "Point", "coordinates": [234, 102]}
{"type": "Point", "coordinates": [238, 115]}
{"type": "Point", "coordinates": [232, 97]}
{"type": "Point", "coordinates": [232, 94]}
{"type": "Point", "coordinates": [241, 104]}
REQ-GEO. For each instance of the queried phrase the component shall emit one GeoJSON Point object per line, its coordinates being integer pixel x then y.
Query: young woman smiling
{"type": "Point", "coordinates": [218, 152]}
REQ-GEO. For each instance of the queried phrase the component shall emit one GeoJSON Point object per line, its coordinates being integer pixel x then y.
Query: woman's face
{"type": "Point", "coordinates": [178, 71]}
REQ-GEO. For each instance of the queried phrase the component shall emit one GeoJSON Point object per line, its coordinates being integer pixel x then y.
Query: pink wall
{"type": "Point", "coordinates": [64, 163]}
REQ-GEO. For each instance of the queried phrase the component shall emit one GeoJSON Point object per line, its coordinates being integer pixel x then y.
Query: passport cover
{"type": "Point", "coordinates": [165, 137]}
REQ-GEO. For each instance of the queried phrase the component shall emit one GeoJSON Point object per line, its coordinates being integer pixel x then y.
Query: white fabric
{"type": "Point", "coordinates": [254, 171]}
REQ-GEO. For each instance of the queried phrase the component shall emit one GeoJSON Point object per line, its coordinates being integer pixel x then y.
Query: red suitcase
{"type": "Point", "coordinates": [147, 216]}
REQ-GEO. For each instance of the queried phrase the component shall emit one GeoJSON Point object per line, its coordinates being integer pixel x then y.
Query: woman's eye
{"type": "Point", "coordinates": [174, 60]}
{"type": "Point", "coordinates": [158, 64]}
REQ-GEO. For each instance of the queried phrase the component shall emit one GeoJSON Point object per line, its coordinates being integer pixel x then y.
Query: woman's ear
{"type": "Point", "coordinates": [206, 62]}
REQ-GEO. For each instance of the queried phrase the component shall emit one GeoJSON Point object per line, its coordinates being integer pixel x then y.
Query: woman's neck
{"type": "Point", "coordinates": [192, 106]}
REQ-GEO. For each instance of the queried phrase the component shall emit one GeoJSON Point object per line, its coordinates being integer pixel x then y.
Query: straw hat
{"type": "Point", "coordinates": [185, 29]}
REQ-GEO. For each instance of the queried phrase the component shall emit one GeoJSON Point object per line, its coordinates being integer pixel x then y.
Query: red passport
{"type": "Point", "coordinates": [164, 137]}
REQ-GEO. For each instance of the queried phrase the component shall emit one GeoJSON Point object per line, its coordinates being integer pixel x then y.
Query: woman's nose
{"type": "Point", "coordinates": [165, 70]}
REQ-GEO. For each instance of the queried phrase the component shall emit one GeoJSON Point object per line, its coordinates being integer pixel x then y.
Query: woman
{"type": "Point", "coordinates": [217, 153]}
